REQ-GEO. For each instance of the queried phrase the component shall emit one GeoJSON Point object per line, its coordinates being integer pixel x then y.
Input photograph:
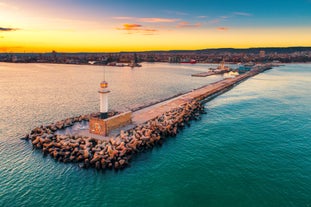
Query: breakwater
{"type": "Point", "coordinates": [151, 129]}
{"type": "Point", "coordinates": [115, 152]}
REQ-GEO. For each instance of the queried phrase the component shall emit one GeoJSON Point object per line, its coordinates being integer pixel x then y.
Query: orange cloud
{"type": "Point", "coordinates": [130, 27]}
{"type": "Point", "coordinates": [137, 28]}
{"type": "Point", "coordinates": [222, 28]}
{"type": "Point", "coordinates": [7, 29]}
{"type": "Point", "coordinates": [187, 24]}
{"type": "Point", "coordinates": [156, 20]}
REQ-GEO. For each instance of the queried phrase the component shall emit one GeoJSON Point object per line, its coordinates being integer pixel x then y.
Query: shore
{"type": "Point", "coordinates": [151, 126]}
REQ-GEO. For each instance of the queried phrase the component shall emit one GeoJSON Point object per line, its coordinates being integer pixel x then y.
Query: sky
{"type": "Point", "coordinates": [143, 25]}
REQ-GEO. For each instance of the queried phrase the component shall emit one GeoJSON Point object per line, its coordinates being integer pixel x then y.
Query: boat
{"type": "Point", "coordinates": [132, 65]}
{"type": "Point", "coordinates": [191, 61]}
{"type": "Point", "coordinates": [121, 64]}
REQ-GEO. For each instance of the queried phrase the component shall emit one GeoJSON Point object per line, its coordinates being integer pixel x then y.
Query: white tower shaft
{"type": "Point", "coordinates": [103, 96]}
{"type": "Point", "coordinates": [103, 102]}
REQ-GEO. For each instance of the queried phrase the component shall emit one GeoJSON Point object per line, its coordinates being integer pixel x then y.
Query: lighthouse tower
{"type": "Point", "coordinates": [103, 95]}
{"type": "Point", "coordinates": [101, 125]}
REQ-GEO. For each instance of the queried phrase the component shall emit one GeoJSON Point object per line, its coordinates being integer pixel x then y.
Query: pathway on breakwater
{"type": "Point", "coordinates": [151, 112]}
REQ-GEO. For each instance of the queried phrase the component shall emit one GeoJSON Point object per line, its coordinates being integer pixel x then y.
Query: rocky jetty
{"type": "Point", "coordinates": [116, 152]}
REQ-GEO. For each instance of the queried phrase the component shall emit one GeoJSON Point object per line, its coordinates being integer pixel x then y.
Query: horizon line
{"type": "Point", "coordinates": [172, 50]}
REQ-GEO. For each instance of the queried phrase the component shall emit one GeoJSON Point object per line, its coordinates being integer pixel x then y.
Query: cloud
{"type": "Point", "coordinates": [137, 28]}
{"type": "Point", "coordinates": [227, 18]}
{"type": "Point", "coordinates": [147, 19]}
{"type": "Point", "coordinates": [150, 30]}
{"type": "Point", "coordinates": [7, 29]}
{"type": "Point", "coordinates": [219, 19]}
{"type": "Point", "coordinates": [187, 25]}
{"type": "Point", "coordinates": [202, 17]}
{"type": "Point", "coordinates": [156, 20]}
{"type": "Point", "coordinates": [222, 28]}
{"type": "Point", "coordinates": [130, 27]}
{"type": "Point", "coordinates": [242, 14]}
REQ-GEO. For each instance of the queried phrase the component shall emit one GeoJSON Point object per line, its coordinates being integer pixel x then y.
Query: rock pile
{"type": "Point", "coordinates": [116, 152]}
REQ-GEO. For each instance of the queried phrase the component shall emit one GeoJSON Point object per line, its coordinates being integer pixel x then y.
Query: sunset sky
{"type": "Point", "coordinates": [139, 25]}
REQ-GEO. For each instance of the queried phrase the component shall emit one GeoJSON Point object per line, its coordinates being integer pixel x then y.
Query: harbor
{"type": "Point", "coordinates": [221, 69]}
{"type": "Point", "coordinates": [155, 103]}
{"type": "Point", "coordinates": [248, 132]}
{"type": "Point", "coordinates": [148, 127]}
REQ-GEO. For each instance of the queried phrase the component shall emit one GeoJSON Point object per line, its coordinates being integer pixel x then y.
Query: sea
{"type": "Point", "coordinates": [251, 148]}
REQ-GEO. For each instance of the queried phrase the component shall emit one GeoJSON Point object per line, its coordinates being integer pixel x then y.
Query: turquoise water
{"type": "Point", "coordinates": [252, 148]}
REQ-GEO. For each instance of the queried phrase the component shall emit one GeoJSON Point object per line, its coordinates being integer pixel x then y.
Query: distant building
{"type": "Point", "coordinates": [173, 59]}
{"type": "Point", "coordinates": [14, 59]}
{"type": "Point", "coordinates": [262, 53]}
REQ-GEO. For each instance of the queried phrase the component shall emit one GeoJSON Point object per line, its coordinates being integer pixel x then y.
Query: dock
{"type": "Point", "coordinates": [209, 73]}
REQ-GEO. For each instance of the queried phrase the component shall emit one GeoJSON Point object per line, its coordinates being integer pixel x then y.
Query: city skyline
{"type": "Point", "coordinates": [120, 25]}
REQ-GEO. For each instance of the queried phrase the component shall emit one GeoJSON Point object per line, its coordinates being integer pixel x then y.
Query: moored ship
{"type": "Point", "coordinates": [191, 61]}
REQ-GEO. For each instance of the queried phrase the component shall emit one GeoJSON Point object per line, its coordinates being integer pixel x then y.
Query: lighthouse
{"type": "Point", "coordinates": [102, 125]}
{"type": "Point", "coordinates": [103, 96]}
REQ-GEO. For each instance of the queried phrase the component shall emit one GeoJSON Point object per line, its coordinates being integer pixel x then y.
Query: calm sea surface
{"type": "Point", "coordinates": [252, 148]}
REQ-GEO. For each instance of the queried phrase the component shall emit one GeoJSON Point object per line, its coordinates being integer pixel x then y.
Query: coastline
{"type": "Point", "coordinates": [207, 63]}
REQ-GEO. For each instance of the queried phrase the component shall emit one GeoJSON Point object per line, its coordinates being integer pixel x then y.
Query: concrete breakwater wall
{"type": "Point", "coordinates": [116, 152]}
{"type": "Point", "coordinates": [50, 129]}
{"type": "Point", "coordinates": [151, 129]}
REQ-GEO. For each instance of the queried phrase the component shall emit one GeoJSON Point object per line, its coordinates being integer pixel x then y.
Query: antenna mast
{"type": "Point", "coordinates": [104, 73]}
